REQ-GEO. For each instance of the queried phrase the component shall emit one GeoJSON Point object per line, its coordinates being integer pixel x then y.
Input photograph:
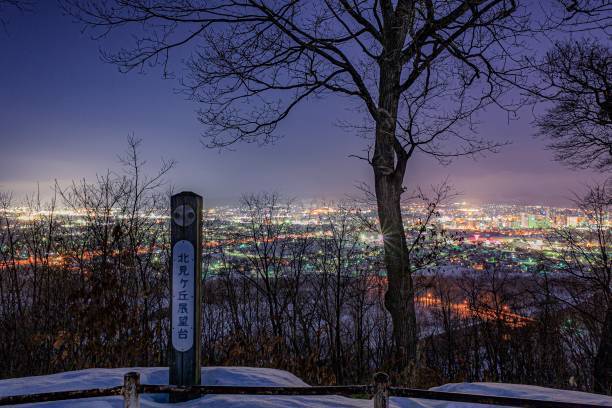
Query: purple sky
{"type": "Point", "coordinates": [65, 115]}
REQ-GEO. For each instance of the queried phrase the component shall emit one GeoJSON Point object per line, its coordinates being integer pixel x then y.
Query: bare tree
{"type": "Point", "coordinates": [584, 285]}
{"type": "Point", "coordinates": [275, 261]}
{"type": "Point", "coordinates": [116, 256]}
{"type": "Point", "coordinates": [577, 79]}
{"type": "Point", "coordinates": [585, 15]}
{"type": "Point", "coordinates": [339, 265]}
{"type": "Point", "coordinates": [418, 70]}
{"type": "Point", "coordinates": [31, 286]}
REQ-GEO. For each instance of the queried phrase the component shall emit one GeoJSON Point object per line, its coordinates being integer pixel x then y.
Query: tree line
{"type": "Point", "coordinates": [93, 291]}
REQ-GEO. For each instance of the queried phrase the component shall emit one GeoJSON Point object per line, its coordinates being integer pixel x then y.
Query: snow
{"type": "Point", "coordinates": [249, 376]}
{"type": "Point", "coordinates": [526, 391]}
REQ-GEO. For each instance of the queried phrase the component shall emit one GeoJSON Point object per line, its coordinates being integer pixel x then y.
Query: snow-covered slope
{"type": "Point", "coordinates": [250, 376]}
{"type": "Point", "coordinates": [526, 391]}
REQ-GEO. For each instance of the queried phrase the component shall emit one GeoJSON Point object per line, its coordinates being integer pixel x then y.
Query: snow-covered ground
{"type": "Point", "coordinates": [248, 376]}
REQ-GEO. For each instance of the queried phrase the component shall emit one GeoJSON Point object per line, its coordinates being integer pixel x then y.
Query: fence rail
{"type": "Point", "coordinates": [61, 395]}
{"type": "Point", "coordinates": [380, 392]}
{"type": "Point", "coordinates": [348, 390]}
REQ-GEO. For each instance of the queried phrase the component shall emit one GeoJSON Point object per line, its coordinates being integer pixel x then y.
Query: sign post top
{"type": "Point", "coordinates": [187, 193]}
{"type": "Point", "coordinates": [186, 209]}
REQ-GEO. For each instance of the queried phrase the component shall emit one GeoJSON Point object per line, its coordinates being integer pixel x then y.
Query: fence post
{"type": "Point", "coordinates": [131, 384]}
{"type": "Point", "coordinates": [381, 390]}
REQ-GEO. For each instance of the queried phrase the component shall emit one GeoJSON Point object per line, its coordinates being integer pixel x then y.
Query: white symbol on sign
{"type": "Point", "coordinates": [183, 299]}
{"type": "Point", "coordinates": [183, 215]}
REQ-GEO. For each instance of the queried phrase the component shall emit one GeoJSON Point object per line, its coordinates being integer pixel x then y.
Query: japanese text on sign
{"type": "Point", "coordinates": [183, 284]}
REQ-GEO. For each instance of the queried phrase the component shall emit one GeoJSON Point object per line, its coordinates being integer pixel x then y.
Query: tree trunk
{"type": "Point", "coordinates": [389, 164]}
{"type": "Point", "coordinates": [338, 317]}
{"type": "Point", "coordinates": [602, 370]}
{"type": "Point", "coordinates": [399, 299]}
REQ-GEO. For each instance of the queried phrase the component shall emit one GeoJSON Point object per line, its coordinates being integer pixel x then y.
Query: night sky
{"type": "Point", "coordinates": [65, 115]}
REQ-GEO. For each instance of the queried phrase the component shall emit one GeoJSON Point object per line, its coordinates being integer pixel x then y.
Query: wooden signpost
{"type": "Point", "coordinates": [185, 289]}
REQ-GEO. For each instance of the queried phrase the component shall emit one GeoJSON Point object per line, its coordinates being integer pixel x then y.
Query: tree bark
{"type": "Point", "coordinates": [399, 299]}
{"type": "Point", "coordinates": [602, 370]}
{"type": "Point", "coordinates": [389, 164]}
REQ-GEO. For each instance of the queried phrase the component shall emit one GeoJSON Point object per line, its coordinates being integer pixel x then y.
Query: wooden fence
{"type": "Point", "coordinates": [379, 391]}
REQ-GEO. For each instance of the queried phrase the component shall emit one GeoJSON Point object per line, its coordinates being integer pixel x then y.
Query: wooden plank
{"type": "Point", "coordinates": [61, 396]}
{"type": "Point", "coordinates": [349, 390]}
